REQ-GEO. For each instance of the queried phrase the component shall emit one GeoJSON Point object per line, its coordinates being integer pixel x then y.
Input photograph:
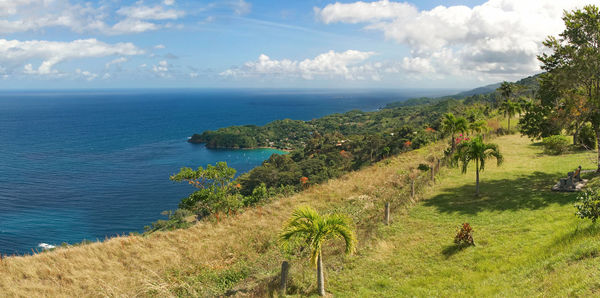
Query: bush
{"type": "Point", "coordinates": [588, 205]}
{"type": "Point", "coordinates": [587, 137]}
{"type": "Point", "coordinates": [464, 235]}
{"type": "Point", "coordinates": [423, 167]}
{"type": "Point", "coordinates": [555, 145]}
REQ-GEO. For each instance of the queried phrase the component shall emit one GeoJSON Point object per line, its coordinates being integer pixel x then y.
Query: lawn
{"type": "Point", "coordinates": [528, 240]}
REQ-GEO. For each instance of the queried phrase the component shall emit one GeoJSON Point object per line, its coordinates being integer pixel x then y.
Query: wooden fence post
{"type": "Point", "coordinates": [433, 174]}
{"type": "Point", "coordinates": [285, 268]}
{"type": "Point", "coordinates": [387, 213]}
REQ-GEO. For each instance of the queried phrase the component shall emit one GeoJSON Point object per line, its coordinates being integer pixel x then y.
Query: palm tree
{"type": "Point", "coordinates": [506, 90]}
{"type": "Point", "coordinates": [451, 125]}
{"type": "Point", "coordinates": [479, 126]}
{"type": "Point", "coordinates": [510, 109]}
{"type": "Point", "coordinates": [315, 229]}
{"type": "Point", "coordinates": [477, 150]}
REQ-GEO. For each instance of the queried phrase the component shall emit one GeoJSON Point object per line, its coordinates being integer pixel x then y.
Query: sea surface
{"type": "Point", "coordinates": [85, 165]}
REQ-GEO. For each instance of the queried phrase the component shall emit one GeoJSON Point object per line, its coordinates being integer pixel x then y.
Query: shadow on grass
{"type": "Point", "coordinates": [590, 230]}
{"type": "Point", "coordinates": [453, 249]}
{"type": "Point", "coordinates": [525, 192]}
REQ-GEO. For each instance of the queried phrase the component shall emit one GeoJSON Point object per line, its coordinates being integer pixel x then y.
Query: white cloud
{"type": "Point", "coordinates": [169, 2]}
{"type": "Point", "coordinates": [15, 53]}
{"type": "Point", "coordinates": [89, 76]}
{"type": "Point", "coordinates": [157, 12]}
{"type": "Point", "coordinates": [116, 61]}
{"type": "Point", "coordinates": [347, 65]}
{"type": "Point", "coordinates": [162, 69]}
{"type": "Point", "coordinates": [498, 38]}
{"type": "Point", "coordinates": [33, 15]}
{"type": "Point", "coordinates": [159, 46]}
{"type": "Point", "coordinates": [241, 7]}
{"type": "Point", "coordinates": [359, 12]}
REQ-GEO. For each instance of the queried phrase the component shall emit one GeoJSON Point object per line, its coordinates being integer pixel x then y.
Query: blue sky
{"type": "Point", "coordinates": [273, 44]}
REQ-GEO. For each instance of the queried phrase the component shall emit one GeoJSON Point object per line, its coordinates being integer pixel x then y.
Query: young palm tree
{"type": "Point", "coordinates": [307, 225]}
{"type": "Point", "coordinates": [510, 109]}
{"type": "Point", "coordinates": [478, 151]}
{"type": "Point", "coordinates": [451, 125]}
{"type": "Point", "coordinates": [478, 127]}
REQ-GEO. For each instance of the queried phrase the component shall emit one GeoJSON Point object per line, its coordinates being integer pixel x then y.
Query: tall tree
{"type": "Point", "coordinates": [574, 61]}
{"type": "Point", "coordinates": [451, 125]}
{"type": "Point", "coordinates": [478, 151]}
{"type": "Point", "coordinates": [510, 109]}
{"type": "Point", "coordinates": [506, 90]}
{"type": "Point", "coordinates": [313, 229]}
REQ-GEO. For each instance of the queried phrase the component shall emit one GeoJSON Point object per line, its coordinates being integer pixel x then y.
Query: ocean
{"type": "Point", "coordinates": [85, 165]}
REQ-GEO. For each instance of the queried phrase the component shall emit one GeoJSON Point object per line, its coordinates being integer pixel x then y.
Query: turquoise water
{"type": "Point", "coordinates": [87, 165]}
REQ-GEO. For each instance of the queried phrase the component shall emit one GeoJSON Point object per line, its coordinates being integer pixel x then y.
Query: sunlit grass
{"type": "Point", "coordinates": [528, 241]}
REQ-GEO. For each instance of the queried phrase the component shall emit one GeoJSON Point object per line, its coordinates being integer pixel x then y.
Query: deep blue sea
{"type": "Point", "coordinates": [78, 165]}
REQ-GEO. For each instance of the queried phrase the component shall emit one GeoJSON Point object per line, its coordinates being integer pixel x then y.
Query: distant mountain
{"type": "Point", "coordinates": [480, 90]}
{"type": "Point", "coordinates": [527, 86]}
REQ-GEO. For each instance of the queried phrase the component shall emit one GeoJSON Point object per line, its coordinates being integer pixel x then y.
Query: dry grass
{"type": "Point", "coordinates": [209, 258]}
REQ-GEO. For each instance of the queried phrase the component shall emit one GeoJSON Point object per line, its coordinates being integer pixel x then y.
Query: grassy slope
{"type": "Point", "coordinates": [209, 258]}
{"type": "Point", "coordinates": [528, 241]}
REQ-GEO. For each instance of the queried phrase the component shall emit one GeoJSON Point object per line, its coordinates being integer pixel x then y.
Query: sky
{"type": "Point", "coordinates": [70, 44]}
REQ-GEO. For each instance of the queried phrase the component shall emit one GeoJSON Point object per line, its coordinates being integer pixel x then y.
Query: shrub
{"type": "Point", "coordinates": [588, 205]}
{"type": "Point", "coordinates": [555, 145]}
{"type": "Point", "coordinates": [464, 235]}
{"type": "Point", "coordinates": [423, 167]}
{"type": "Point", "coordinates": [587, 137]}
{"type": "Point", "coordinates": [175, 220]}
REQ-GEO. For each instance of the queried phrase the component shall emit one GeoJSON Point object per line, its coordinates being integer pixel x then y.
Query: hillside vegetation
{"type": "Point", "coordinates": [528, 241]}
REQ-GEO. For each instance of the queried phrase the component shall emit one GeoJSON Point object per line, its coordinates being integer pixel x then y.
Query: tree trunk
{"type": "Point", "coordinates": [387, 213]}
{"type": "Point", "coordinates": [320, 278]}
{"type": "Point", "coordinates": [454, 143]}
{"type": "Point", "coordinates": [597, 129]}
{"type": "Point", "coordinates": [285, 268]}
{"type": "Point", "coordinates": [576, 133]}
{"type": "Point", "coordinates": [477, 177]}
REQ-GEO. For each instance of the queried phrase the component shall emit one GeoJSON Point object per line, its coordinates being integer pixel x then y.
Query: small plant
{"type": "Point", "coordinates": [423, 167]}
{"type": "Point", "coordinates": [588, 205]}
{"type": "Point", "coordinates": [464, 235]}
{"type": "Point", "coordinates": [555, 145]}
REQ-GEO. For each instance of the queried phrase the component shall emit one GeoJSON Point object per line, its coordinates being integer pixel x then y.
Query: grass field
{"type": "Point", "coordinates": [528, 241]}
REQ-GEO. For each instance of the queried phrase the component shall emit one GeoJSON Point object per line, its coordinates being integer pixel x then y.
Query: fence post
{"type": "Point", "coordinates": [285, 268]}
{"type": "Point", "coordinates": [412, 188]}
{"type": "Point", "coordinates": [432, 174]}
{"type": "Point", "coordinates": [387, 213]}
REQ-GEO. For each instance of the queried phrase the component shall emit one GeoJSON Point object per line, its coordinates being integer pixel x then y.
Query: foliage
{"type": "Point", "coordinates": [423, 167]}
{"type": "Point", "coordinates": [587, 137]}
{"type": "Point", "coordinates": [478, 127]}
{"type": "Point", "coordinates": [478, 151]}
{"type": "Point", "coordinates": [588, 205]}
{"type": "Point", "coordinates": [538, 122]}
{"type": "Point", "coordinates": [314, 229]}
{"type": "Point", "coordinates": [510, 109]}
{"type": "Point", "coordinates": [555, 145]}
{"type": "Point", "coordinates": [464, 235]}
{"type": "Point", "coordinates": [178, 219]}
{"type": "Point", "coordinates": [573, 77]}
{"type": "Point", "coordinates": [217, 192]}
